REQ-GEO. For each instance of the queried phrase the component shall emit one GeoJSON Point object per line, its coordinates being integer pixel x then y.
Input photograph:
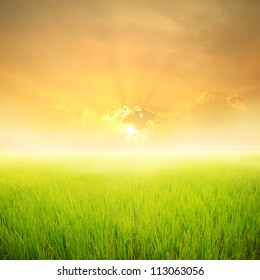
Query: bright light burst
{"type": "Point", "coordinates": [131, 131]}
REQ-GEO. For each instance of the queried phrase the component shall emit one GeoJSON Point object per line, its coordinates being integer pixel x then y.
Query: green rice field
{"type": "Point", "coordinates": [130, 207]}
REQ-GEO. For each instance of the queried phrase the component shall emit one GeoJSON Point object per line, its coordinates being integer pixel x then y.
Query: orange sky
{"type": "Point", "coordinates": [75, 74]}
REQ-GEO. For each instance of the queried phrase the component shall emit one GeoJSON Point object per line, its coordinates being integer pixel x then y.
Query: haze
{"type": "Point", "coordinates": [129, 75]}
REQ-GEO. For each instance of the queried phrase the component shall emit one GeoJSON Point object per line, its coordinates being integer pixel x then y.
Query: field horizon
{"type": "Point", "coordinates": [181, 206]}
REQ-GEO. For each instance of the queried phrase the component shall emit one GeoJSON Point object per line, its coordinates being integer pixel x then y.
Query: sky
{"type": "Point", "coordinates": [129, 75]}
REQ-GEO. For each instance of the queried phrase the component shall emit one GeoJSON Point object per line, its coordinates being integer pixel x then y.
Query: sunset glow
{"type": "Point", "coordinates": [130, 131]}
{"type": "Point", "coordinates": [141, 75]}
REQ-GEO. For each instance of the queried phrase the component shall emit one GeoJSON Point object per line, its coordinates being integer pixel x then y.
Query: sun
{"type": "Point", "coordinates": [130, 130]}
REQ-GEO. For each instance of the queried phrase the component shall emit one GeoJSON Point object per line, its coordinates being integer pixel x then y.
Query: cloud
{"type": "Point", "coordinates": [62, 107]}
{"type": "Point", "coordinates": [72, 116]}
{"type": "Point", "coordinates": [113, 115]}
{"type": "Point", "coordinates": [142, 119]}
{"type": "Point", "coordinates": [138, 117]}
{"type": "Point", "coordinates": [80, 117]}
{"type": "Point", "coordinates": [145, 121]}
{"type": "Point", "coordinates": [239, 102]}
{"type": "Point", "coordinates": [200, 104]}
{"type": "Point", "coordinates": [203, 98]}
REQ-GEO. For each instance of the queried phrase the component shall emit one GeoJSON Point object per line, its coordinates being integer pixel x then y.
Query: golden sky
{"type": "Point", "coordinates": [106, 75]}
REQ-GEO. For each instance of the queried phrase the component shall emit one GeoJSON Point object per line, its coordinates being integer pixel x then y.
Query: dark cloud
{"type": "Point", "coordinates": [239, 102]}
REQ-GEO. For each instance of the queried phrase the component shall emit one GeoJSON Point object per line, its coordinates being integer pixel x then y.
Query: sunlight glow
{"type": "Point", "coordinates": [114, 86]}
{"type": "Point", "coordinates": [131, 131]}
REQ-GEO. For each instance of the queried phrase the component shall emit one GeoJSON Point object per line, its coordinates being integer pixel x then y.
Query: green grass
{"type": "Point", "coordinates": [130, 207]}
